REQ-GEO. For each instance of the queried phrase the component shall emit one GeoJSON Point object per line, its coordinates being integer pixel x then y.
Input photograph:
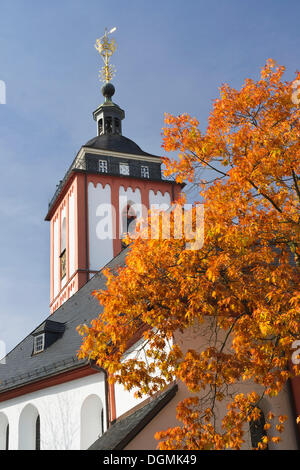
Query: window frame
{"type": "Point", "coordinates": [104, 168]}
{"type": "Point", "coordinates": [63, 264]}
{"type": "Point", "coordinates": [35, 341]}
{"type": "Point", "coordinates": [124, 165]}
{"type": "Point", "coordinates": [145, 174]}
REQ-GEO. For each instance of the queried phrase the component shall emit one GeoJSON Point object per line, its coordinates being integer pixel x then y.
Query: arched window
{"type": "Point", "coordinates": [7, 438]}
{"type": "Point", "coordinates": [108, 125]}
{"type": "Point", "coordinates": [128, 221]}
{"type": "Point", "coordinates": [63, 234]}
{"type": "Point", "coordinates": [100, 126]}
{"type": "Point", "coordinates": [117, 126]}
{"type": "Point", "coordinates": [63, 245]}
{"type": "Point", "coordinates": [4, 432]}
{"type": "Point", "coordinates": [91, 422]}
{"type": "Point", "coordinates": [29, 429]}
{"type": "Point", "coordinates": [38, 433]}
{"type": "Point", "coordinates": [257, 430]}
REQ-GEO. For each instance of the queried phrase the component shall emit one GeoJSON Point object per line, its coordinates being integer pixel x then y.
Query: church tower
{"type": "Point", "coordinates": [109, 185]}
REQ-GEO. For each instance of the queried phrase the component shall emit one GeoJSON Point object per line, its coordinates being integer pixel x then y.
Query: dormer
{"type": "Point", "coordinates": [46, 334]}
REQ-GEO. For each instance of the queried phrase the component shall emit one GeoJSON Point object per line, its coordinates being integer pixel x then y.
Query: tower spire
{"type": "Point", "coordinates": [108, 115]}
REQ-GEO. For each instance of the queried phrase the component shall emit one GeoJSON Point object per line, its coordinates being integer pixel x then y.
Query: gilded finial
{"type": "Point", "coordinates": [106, 48]}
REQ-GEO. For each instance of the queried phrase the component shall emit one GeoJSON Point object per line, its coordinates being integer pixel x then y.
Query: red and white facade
{"type": "Point", "coordinates": [88, 204]}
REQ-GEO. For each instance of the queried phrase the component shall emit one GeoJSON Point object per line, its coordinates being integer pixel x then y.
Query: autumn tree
{"type": "Point", "coordinates": [241, 287]}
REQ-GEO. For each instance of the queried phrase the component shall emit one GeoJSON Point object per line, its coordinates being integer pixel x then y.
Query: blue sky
{"type": "Point", "coordinates": [172, 56]}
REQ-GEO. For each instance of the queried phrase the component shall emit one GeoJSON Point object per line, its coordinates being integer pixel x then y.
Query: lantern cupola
{"type": "Point", "coordinates": [109, 115]}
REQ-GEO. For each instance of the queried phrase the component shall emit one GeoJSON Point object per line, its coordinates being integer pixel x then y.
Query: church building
{"type": "Point", "coordinates": [49, 399]}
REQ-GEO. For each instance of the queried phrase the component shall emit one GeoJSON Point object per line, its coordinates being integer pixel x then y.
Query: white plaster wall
{"type": "Point", "coordinates": [71, 234]}
{"type": "Point", "coordinates": [125, 399]}
{"type": "Point", "coordinates": [100, 212]}
{"type": "Point", "coordinates": [163, 200]}
{"type": "Point", "coordinates": [56, 257]}
{"type": "Point", "coordinates": [3, 428]}
{"type": "Point", "coordinates": [59, 408]}
{"type": "Point", "coordinates": [129, 197]}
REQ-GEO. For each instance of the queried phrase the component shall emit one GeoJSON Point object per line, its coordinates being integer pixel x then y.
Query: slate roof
{"type": "Point", "coordinates": [125, 429]}
{"type": "Point", "coordinates": [117, 143]}
{"type": "Point", "coordinates": [21, 367]}
{"type": "Point", "coordinates": [50, 326]}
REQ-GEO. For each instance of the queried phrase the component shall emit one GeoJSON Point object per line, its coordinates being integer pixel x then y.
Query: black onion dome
{"type": "Point", "coordinates": [116, 143]}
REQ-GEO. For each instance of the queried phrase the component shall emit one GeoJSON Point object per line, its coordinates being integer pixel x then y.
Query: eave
{"type": "Point", "coordinates": [73, 373]}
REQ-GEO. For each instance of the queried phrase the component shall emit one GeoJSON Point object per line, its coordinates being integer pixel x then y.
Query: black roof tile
{"type": "Point", "coordinates": [21, 366]}
{"type": "Point", "coordinates": [117, 143]}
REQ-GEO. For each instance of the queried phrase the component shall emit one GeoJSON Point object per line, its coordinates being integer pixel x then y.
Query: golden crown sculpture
{"type": "Point", "coordinates": [106, 48]}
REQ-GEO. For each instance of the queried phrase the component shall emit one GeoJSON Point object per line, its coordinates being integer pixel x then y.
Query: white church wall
{"type": "Point", "coordinates": [100, 225]}
{"type": "Point", "coordinates": [60, 410]}
{"type": "Point", "coordinates": [157, 198]}
{"type": "Point", "coordinates": [125, 400]}
{"type": "Point", "coordinates": [3, 430]}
